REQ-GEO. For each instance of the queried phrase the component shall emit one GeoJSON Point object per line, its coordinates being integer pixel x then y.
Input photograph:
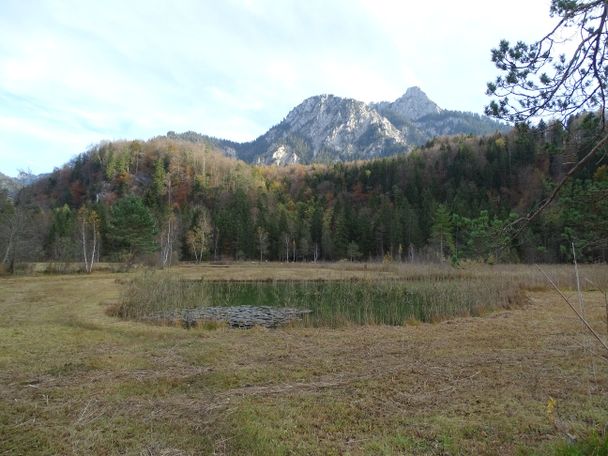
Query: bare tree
{"type": "Point", "coordinates": [199, 235]}
{"type": "Point", "coordinates": [286, 240]}
{"type": "Point", "coordinates": [12, 222]}
{"type": "Point", "coordinates": [168, 236]}
{"type": "Point", "coordinates": [262, 241]}
{"type": "Point", "coordinates": [88, 223]}
{"type": "Point", "coordinates": [21, 232]}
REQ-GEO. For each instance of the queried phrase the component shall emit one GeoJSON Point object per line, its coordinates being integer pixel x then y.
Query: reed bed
{"type": "Point", "coordinates": [333, 303]}
{"type": "Point", "coordinates": [389, 294]}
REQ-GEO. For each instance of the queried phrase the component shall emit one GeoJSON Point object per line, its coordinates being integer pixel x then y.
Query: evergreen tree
{"type": "Point", "coordinates": [543, 78]}
{"type": "Point", "coordinates": [352, 251]}
{"type": "Point", "coordinates": [61, 240]}
{"type": "Point", "coordinates": [441, 232]}
{"type": "Point", "coordinates": [131, 228]}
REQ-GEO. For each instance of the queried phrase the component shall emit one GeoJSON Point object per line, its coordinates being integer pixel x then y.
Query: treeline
{"type": "Point", "coordinates": [166, 200]}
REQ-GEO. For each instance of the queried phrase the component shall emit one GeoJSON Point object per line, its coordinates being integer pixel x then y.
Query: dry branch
{"type": "Point", "coordinates": [523, 221]}
{"type": "Point", "coordinates": [578, 314]}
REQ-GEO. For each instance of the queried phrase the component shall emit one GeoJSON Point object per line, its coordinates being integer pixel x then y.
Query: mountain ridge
{"type": "Point", "coordinates": [328, 128]}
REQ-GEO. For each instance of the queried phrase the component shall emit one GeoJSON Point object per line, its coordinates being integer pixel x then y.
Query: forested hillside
{"type": "Point", "coordinates": [166, 200]}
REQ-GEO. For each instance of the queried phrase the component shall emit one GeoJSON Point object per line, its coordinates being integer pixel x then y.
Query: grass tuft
{"type": "Point", "coordinates": [592, 445]}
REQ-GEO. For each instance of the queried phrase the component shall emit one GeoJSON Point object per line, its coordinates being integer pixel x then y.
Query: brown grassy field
{"type": "Point", "coordinates": [74, 380]}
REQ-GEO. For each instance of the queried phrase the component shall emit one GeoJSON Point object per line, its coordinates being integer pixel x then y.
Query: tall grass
{"type": "Point", "coordinates": [595, 276]}
{"type": "Point", "coordinates": [333, 303]}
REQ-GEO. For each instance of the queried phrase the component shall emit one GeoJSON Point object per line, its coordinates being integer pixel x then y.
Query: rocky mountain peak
{"type": "Point", "coordinates": [348, 128]}
{"type": "Point", "coordinates": [328, 128]}
{"type": "Point", "coordinates": [314, 107]}
{"type": "Point", "coordinates": [413, 105]}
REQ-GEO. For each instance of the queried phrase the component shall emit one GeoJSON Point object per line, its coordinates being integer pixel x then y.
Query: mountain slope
{"type": "Point", "coordinates": [327, 129]}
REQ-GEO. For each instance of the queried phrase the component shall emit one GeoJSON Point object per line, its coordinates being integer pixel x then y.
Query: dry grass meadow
{"type": "Point", "coordinates": [74, 380]}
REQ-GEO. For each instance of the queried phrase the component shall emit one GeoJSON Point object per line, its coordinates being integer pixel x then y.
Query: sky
{"type": "Point", "coordinates": [76, 72]}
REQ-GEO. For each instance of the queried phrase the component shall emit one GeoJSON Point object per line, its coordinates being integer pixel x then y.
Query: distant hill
{"type": "Point", "coordinates": [328, 129]}
{"type": "Point", "coordinates": [12, 185]}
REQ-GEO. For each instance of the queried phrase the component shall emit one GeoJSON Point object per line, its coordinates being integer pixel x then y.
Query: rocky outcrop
{"type": "Point", "coordinates": [327, 129]}
{"type": "Point", "coordinates": [234, 316]}
{"type": "Point", "coordinates": [412, 105]}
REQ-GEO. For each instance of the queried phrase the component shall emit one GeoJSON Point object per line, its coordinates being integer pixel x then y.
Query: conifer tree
{"type": "Point", "coordinates": [546, 79]}
{"type": "Point", "coordinates": [441, 232]}
{"type": "Point", "coordinates": [131, 228]}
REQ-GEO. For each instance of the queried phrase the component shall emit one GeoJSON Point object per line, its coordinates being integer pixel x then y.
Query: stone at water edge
{"type": "Point", "coordinates": [235, 316]}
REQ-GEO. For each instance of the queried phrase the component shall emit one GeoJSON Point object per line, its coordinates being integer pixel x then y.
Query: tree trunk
{"type": "Point", "coordinates": [94, 247]}
{"type": "Point", "coordinates": [8, 249]}
{"type": "Point", "coordinates": [83, 230]}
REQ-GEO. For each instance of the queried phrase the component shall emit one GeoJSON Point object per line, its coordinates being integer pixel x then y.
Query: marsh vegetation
{"type": "Point", "coordinates": [405, 294]}
{"type": "Point", "coordinates": [332, 303]}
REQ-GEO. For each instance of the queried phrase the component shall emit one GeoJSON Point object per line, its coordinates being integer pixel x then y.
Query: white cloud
{"type": "Point", "coordinates": [13, 126]}
{"type": "Point", "coordinates": [77, 70]}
